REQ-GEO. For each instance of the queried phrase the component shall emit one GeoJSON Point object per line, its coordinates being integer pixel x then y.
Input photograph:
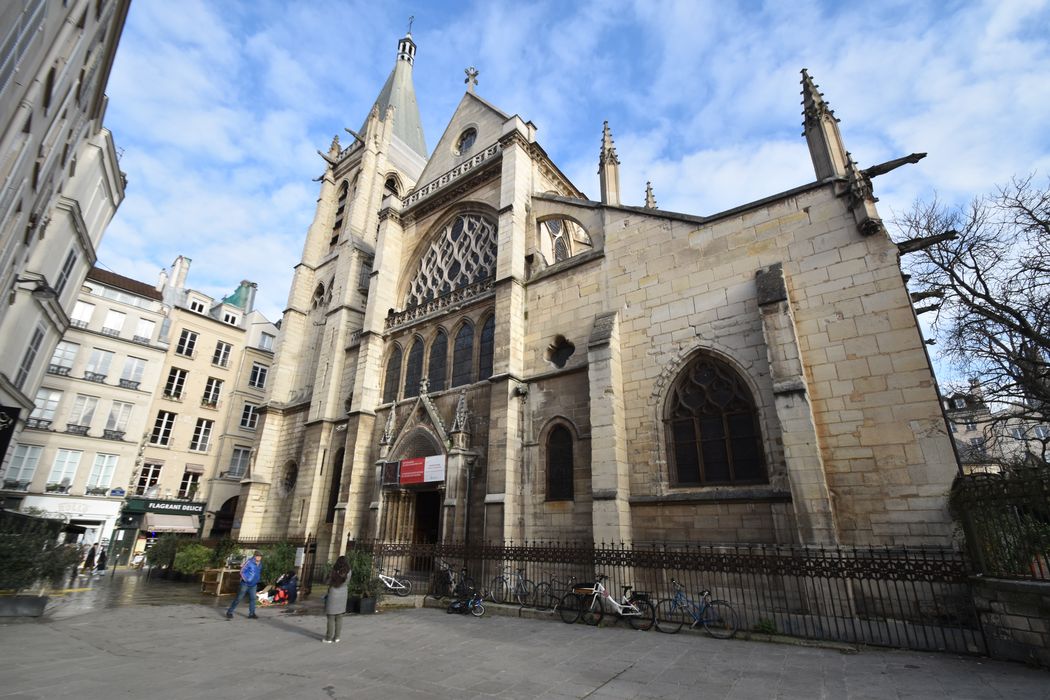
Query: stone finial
{"type": "Point", "coordinates": [472, 78]}
{"type": "Point", "coordinates": [608, 152]}
{"type": "Point", "coordinates": [814, 107]}
{"type": "Point", "coordinates": [424, 386]}
{"type": "Point", "coordinates": [459, 423]}
{"type": "Point", "coordinates": [650, 200]}
{"type": "Point", "coordinates": [388, 431]}
{"type": "Point", "coordinates": [333, 150]}
{"type": "Point", "coordinates": [821, 129]}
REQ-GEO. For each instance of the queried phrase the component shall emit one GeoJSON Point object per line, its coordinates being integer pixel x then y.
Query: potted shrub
{"type": "Point", "coordinates": [361, 592]}
{"type": "Point", "coordinates": [30, 555]}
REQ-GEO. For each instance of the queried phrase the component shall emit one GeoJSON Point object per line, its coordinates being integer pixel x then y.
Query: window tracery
{"type": "Point", "coordinates": [712, 427]}
{"type": "Point", "coordinates": [393, 374]}
{"type": "Point", "coordinates": [463, 253]}
{"type": "Point", "coordinates": [414, 369]}
{"type": "Point", "coordinates": [560, 239]}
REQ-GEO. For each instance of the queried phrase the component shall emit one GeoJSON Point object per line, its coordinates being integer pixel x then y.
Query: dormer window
{"type": "Point", "coordinates": [230, 319]}
{"type": "Point", "coordinates": [197, 306]}
{"type": "Point", "coordinates": [466, 141]}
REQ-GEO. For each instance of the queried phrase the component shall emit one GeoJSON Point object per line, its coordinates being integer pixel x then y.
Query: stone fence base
{"type": "Point", "coordinates": [1015, 616]}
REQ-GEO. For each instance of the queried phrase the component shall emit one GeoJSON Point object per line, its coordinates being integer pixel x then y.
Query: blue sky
{"type": "Point", "coordinates": [219, 108]}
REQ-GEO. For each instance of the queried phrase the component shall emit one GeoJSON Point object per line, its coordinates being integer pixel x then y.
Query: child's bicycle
{"type": "Point", "coordinates": [472, 604]}
{"type": "Point", "coordinates": [716, 616]}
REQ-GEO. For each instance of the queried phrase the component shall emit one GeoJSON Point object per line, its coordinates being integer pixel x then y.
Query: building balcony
{"type": "Point", "coordinates": [57, 488]}
{"type": "Point", "coordinates": [206, 403]}
{"type": "Point", "coordinates": [95, 377]}
{"type": "Point", "coordinates": [74, 429]}
{"type": "Point", "coordinates": [58, 370]}
{"type": "Point", "coordinates": [140, 340]}
{"type": "Point", "coordinates": [191, 354]}
{"type": "Point", "coordinates": [111, 332]}
{"type": "Point", "coordinates": [128, 384]}
{"type": "Point", "coordinates": [38, 423]}
{"type": "Point", "coordinates": [232, 474]}
{"type": "Point", "coordinates": [173, 397]}
{"type": "Point", "coordinates": [16, 485]}
{"type": "Point", "coordinates": [96, 491]}
{"type": "Point", "coordinates": [113, 435]}
{"type": "Point", "coordinates": [77, 323]}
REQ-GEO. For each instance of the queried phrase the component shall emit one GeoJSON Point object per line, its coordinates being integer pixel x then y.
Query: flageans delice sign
{"type": "Point", "coordinates": [422, 470]}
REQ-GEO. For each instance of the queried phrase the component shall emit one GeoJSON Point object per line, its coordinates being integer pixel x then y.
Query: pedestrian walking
{"type": "Point", "coordinates": [335, 601]}
{"type": "Point", "coordinates": [251, 572]}
{"type": "Point", "coordinates": [100, 563]}
{"type": "Point", "coordinates": [89, 560]}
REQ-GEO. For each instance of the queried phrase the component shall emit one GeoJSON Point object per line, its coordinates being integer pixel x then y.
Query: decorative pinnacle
{"type": "Point", "coordinates": [608, 152]}
{"type": "Point", "coordinates": [650, 200]}
{"type": "Point", "coordinates": [472, 77]}
{"type": "Point", "coordinates": [814, 108]}
{"type": "Point", "coordinates": [333, 150]}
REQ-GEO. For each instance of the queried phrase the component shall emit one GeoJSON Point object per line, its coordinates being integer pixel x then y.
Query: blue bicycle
{"type": "Point", "coordinates": [716, 616]}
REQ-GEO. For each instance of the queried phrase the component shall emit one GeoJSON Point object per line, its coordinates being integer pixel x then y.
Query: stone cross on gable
{"type": "Point", "coordinates": [472, 77]}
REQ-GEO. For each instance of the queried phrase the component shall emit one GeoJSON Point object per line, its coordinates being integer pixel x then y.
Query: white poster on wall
{"type": "Point", "coordinates": [434, 468]}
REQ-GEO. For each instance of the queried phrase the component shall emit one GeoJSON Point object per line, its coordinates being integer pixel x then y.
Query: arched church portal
{"type": "Point", "coordinates": [412, 512]}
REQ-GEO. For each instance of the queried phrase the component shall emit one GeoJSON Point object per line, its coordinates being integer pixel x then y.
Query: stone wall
{"type": "Point", "coordinates": [1015, 616]}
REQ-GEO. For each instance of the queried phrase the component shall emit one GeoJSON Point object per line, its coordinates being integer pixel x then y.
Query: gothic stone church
{"type": "Point", "coordinates": [474, 351]}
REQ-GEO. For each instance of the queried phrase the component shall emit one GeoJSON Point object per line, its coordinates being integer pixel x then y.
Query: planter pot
{"type": "Point", "coordinates": [368, 606]}
{"type": "Point", "coordinates": [353, 604]}
{"type": "Point", "coordinates": [23, 605]}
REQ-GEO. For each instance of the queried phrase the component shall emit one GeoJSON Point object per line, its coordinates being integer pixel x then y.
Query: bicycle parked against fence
{"type": "Point", "coordinates": [511, 587]}
{"type": "Point", "coordinates": [716, 616]}
{"type": "Point", "coordinates": [449, 583]}
{"type": "Point", "coordinates": [634, 607]}
{"type": "Point", "coordinates": [548, 594]}
{"type": "Point", "coordinates": [396, 584]}
{"type": "Point", "coordinates": [472, 604]}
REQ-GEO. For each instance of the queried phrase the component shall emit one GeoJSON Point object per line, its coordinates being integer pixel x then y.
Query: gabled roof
{"type": "Point", "coordinates": [472, 112]}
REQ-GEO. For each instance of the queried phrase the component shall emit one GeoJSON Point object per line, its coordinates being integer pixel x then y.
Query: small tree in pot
{"type": "Point", "coordinates": [30, 554]}
{"type": "Point", "coordinates": [362, 594]}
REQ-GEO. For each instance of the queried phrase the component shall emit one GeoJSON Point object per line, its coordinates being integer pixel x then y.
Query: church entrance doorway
{"type": "Point", "coordinates": [427, 525]}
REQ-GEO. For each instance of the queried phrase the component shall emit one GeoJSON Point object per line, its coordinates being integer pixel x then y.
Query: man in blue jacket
{"type": "Point", "coordinates": [250, 574]}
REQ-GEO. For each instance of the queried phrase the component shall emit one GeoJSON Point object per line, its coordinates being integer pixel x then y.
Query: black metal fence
{"type": "Point", "coordinates": [1006, 519]}
{"type": "Point", "coordinates": [909, 598]}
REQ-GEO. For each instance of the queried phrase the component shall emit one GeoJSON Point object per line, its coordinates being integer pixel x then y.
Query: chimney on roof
{"type": "Point", "coordinates": [179, 270]}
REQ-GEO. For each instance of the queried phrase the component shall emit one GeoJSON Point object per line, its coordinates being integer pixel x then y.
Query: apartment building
{"type": "Point", "coordinates": [204, 414]}
{"type": "Point", "coordinates": [60, 183]}
{"type": "Point", "coordinates": [987, 441]}
{"type": "Point", "coordinates": [79, 449]}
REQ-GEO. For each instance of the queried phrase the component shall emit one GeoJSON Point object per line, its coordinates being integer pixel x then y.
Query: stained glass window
{"type": "Point", "coordinates": [414, 369]}
{"type": "Point", "coordinates": [485, 347]}
{"type": "Point", "coordinates": [393, 375]}
{"type": "Point", "coordinates": [559, 465]}
{"type": "Point", "coordinates": [463, 356]}
{"type": "Point", "coordinates": [463, 253]}
{"type": "Point", "coordinates": [438, 362]}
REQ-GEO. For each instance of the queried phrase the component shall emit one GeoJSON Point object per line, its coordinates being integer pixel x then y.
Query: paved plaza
{"type": "Point", "coordinates": [133, 638]}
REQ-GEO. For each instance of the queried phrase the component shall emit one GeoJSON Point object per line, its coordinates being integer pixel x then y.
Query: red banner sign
{"type": "Point", "coordinates": [412, 470]}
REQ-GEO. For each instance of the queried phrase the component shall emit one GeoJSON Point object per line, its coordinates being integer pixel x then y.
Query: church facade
{"type": "Point", "coordinates": [474, 351]}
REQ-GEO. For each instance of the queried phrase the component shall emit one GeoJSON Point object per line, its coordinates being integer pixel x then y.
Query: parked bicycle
{"type": "Point", "coordinates": [450, 583]}
{"type": "Point", "coordinates": [716, 616]}
{"type": "Point", "coordinates": [396, 584]}
{"type": "Point", "coordinates": [473, 604]}
{"type": "Point", "coordinates": [507, 586]}
{"type": "Point", "coordinates": [548, 594]}
{"type": "Point", "coordinates": [634, 607]}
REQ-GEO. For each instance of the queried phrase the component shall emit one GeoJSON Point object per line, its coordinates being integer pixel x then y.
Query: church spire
{"type": "Point", "coordinates": [650, 199]}
{"type": "Point", "coordinates": [609, 168]}
{"type": "Point", "coordinates": [399, 92]}
{"type": "Point", "coordinates": [821, 130]}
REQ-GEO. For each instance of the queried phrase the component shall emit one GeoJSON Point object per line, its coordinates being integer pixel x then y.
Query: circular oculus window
{"type": "Point", "coordinates": [466, 141]}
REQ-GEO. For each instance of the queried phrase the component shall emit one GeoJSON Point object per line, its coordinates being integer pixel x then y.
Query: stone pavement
{"type": "Point", "coordinates": [189, 650]}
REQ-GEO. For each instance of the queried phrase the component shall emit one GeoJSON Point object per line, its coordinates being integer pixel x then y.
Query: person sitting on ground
{"type": "Point", "coordinates": [289, 584]}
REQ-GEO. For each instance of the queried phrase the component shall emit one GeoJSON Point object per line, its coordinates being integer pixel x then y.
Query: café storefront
{"type": "Point", "coordinates": [143, 520]}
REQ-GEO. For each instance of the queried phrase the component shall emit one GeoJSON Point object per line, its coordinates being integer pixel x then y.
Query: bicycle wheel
{"type": "Point", "coordinates": [439, 588]}
{"type": "Point", "coordinates": [523, 592]}
{"type": "Point", "coordinates": [669, 616]}
{"type": "Point", "coordinates": [569, 608]}
{"type": "Point", "coordinates": [542, 597]}
{"type": "Point", "coordinates": [499, 591]}
{"type": "Point", "coordinates": [719, 619]}
{"type": "Point", "coordinates": [592, 612]}
{"type": "Point", "coordinates": [478, 610]}
{"type": "Point", "coordinates": [402, 587]}
{"type": "Point", "coordinates": [645, 617]}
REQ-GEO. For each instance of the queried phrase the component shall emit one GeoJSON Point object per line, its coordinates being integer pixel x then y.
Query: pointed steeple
{"type": "Point", "coordinates": [650, 200]}
{"type": "Point", "coordinates": [399, 92]}
{"type": "Point", "coordinates": [609, 168]}
{"type": "Point", "coordinates": [821, 129]}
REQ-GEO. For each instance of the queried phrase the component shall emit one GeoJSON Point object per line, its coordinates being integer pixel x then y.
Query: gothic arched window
{"type": "Point", "coordinates": [463, 356]}
{"type": "Point", "coordinates": [391, 186]}
{"type": "Point", "coordinates": [712, 427]}
{"type": "Point", "coordinates": [559, 464]}
{"type": "Point", "coordinates": [319, 295]}
{"type": "Point", "coordinates": [414, 369]}
{"type": "Point", "coordinates": [438, 362]}
{"type": "Point", "coordinates": [340, 211]}
{"type": "Point", "coordinates": [485, 347]}
{"type": "Point", "coordinates": [335, 483]}
{"type": "Point", "coordinates": [393, 374]}
{"type": "Point", "coordinates": [463, 253]}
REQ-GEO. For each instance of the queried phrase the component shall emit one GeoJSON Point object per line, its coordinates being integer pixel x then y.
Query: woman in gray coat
{"type": "Point", "coordinates": [335, 601]}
